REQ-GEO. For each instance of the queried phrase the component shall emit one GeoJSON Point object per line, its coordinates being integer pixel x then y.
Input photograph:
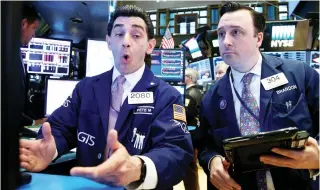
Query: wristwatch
{"type": "Point", "coordinates": [143, 173]}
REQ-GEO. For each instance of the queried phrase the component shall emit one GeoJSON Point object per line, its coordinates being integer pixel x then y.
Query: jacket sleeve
{"type": "Point", "coordinates": [63, 122]}
{"type": "Point", "coordinates": [312, 96]}
{"type": "Point", "coordinates": [171, 148]}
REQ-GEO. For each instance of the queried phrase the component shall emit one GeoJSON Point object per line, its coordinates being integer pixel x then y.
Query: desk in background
{"type": "Point", "coordinates": [58, 182]}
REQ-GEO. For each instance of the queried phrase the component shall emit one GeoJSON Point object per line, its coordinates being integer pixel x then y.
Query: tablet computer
{"type": "Point", "coordinates": [244, 152]}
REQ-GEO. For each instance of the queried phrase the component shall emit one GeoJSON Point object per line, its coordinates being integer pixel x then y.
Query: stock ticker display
{"type": "Point", "coordinates": [168, 64]}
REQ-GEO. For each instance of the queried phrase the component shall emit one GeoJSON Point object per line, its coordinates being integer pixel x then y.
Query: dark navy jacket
{"type": "Point", "coordinates": [217, 124]}
{"type": "Point", "coordinates": [82, 122]}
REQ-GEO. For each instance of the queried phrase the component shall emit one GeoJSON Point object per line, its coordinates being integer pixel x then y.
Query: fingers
{"type": "Point", "coordinates": [312, 141]}
{"type": "Point", "coordinates": [113, 142]}
{"type": "Point", "coordinates": [26, 165]}
{"type": "Point", "coordinates": [87, 172]}
{"type": "Point", "coordinates": [294, 154]}
{"type": "Point", "coordinates": [27, 144]}
{"type": "Point", "coordinates": [46, 131]}
{"type": "Point", "coordinates": [279, 161]}
{"type": "Point", "coordinates": [25, 151]}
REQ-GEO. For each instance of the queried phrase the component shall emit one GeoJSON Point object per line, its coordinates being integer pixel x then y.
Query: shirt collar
{"type": "Point", "coordinates": [132, 78]}
{"type": "Point", "coordinates": [237, 76]}
{"type": "Point", "coordinates": [190, 85]}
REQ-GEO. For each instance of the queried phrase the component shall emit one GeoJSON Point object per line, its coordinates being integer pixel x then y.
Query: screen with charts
{"type": "Point", "coordinates": [57, 92]}
{"type": "Point", "coordinates": [204, 70]}
{"type": "Point", "coordinates": [47, 56]}
{"type": "Point", "coordinates": [293, 55]}
{"type": "Point", "coordinates": [168, 64]}
{"type": "Point", "coordinates": [181, 89]}
{"type": "Point", "coordinates": [315, 60]}
{"type": "Point", "coordinates": [99, 57]}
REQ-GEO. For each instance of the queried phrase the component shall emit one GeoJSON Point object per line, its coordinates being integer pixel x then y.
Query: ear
{"type": "Point", "coordinates": [108, 41]}
{"type": "Point", "coordinates": [24, 23]}
{"type": "Point", "coordinates": [259, 39]}
{"type": "Point", "coordinates": [151, 45]}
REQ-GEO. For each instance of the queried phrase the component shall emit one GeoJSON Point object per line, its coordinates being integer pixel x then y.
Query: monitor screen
{"type": "Point", "coordinates": [47, 56]}
{"type": "Point", "coordinates": [204, 70]}
{"type": "Point", "coordinates": [294, 55]}
{"type": "Point", "coordinates": [55, 96]}
{"type": "Point", "coordinates": [194, 48]}
{"type": "Point", "coordinates": [168, 64]}
{"type": "Point", "coordinates": [99, 57]}
{"type": "Point", "coordinates": [181, 89]}
{"type": "Point", "coordinates": [315, 60]}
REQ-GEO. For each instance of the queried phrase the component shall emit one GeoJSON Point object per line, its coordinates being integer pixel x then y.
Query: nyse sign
{"type": "Point", "coordinates": [282, 43]}
{"type": "Point", "coordinates": [283, 36]}
{"type": "Point", "coordinates": [86, 138]}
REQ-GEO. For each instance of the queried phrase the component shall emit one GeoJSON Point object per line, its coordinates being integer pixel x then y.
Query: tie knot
{"type": "Point", "coordinates": [247, 79]}
{"type": "Point", "coordinates": [120, 80]}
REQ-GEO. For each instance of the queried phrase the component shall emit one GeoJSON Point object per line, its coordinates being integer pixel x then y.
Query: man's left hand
{"type": "Point", "coordinates": [120, 169]}
{"type": "Point", "coordinates": [308, 158]}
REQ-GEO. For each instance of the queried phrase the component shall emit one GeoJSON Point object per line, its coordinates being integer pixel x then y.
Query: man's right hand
{"type": "Point", "coordinates": [36, 155]}
{"type": "Point", "coordinates": [219, 175]}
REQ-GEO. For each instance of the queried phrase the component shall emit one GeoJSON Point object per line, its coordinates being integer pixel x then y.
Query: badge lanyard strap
{"type": "Point", "coordinates": [242, 102]}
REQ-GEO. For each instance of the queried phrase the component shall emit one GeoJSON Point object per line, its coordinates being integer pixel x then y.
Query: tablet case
{"type": "Point", "coordinates": [243, 152]}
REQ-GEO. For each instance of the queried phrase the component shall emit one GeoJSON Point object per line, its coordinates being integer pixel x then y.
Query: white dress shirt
{"type": "Point", "coordinates": [255, 91]}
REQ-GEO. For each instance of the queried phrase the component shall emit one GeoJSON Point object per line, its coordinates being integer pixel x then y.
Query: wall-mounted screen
{"type": "Point", "coordinates": [204, 70]}
{"type": "Point", "coordinates": [47, 56]}
{"type": "Point", "coordinates": [168, 64]}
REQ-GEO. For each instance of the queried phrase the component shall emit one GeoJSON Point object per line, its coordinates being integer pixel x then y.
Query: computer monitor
{"type": "Point", "coordinates": [182, 90]}
{"type": "Point", "coordinates": [294, 55]}
{"type": "Point", "coordinates": [315, 60]}
{"type": "Point", "coordinates": [57, 91]}
{"type": "Point", "coordinates": [47, 56]}
{"type": "Point", "coordinates": [204, 70]}
{"type": "Point", "coordinates": [99, 57]}
{"type": "Point", "coordinates": [192, 45]}
{"type": "Point", "coordinates": [168, 64]}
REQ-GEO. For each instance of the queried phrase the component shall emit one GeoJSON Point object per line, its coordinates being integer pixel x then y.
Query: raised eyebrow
{"type": "Point", "coordinates": [118, 25]}
{"type": "Point", "coordinates": [138, 26]}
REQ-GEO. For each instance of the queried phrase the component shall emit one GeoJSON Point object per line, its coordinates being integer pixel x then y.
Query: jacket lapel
{"type": "Point", "coordinates": [147, 81]}
{"type": "Point", "coordinates": [228, 113]}
{"type": "Point", "coordinates": [268, 69]}
{"type": "Point", "coordinates": [102, 91]}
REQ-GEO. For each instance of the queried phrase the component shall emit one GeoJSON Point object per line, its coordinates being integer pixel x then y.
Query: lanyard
{"type": "Point", "coordinates": [242, 102]}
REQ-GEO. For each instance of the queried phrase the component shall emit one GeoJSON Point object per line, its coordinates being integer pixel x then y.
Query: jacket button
{"type": "Point", "coordinates": [99, 156]}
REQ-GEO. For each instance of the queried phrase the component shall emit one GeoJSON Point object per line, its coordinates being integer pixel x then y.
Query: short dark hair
{"type": "Point", "coordinates": [131, 11]}
{"type": "Point", "coordinates": [259, 21]}
{"type": "Point", "coordinates": [30, 13]}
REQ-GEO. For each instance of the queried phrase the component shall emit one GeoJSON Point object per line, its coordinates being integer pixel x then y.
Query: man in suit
{"type": "Point", "coordinates": [129, 127]}
{"type": "Point", "coordinates": [192, 103]}
{"type": "Point", "coordinates": [245, 101]}
{"type": "Point", "coordinates": [29, 24]}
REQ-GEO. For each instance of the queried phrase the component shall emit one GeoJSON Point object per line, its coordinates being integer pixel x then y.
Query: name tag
{"type": "Point", "coordinates": [143, 110]}
{"type": "Point", "coordinates": [140, 98]}
{"type": "Point", "coordinates": [274, 81]}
